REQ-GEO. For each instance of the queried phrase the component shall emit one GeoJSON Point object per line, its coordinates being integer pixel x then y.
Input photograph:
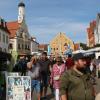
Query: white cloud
{"type": "Point", "coordinates": [46, 18]}
{"type": "Point", "coordinates": [72, 30]}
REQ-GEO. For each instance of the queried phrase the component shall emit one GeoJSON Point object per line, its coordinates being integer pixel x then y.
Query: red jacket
{"type": "Point", "coordinates": [69, 63]}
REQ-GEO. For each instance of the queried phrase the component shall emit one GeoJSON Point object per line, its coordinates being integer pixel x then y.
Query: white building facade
{"type": "Point", "coordinates": [4, 37]}
{"type": "Point", "coordinates": [19, 38]}
{"type": "Point", "coordinates": [34, 46]}
{"type": "Point", "coordinates": [97, 30]}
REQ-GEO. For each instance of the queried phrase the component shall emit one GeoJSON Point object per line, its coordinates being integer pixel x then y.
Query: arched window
{"type": "Point", "coordinates": [10, 46]}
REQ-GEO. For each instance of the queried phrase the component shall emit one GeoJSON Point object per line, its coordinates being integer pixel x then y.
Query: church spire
{"type": "Point", "coordinates": [21, 11]}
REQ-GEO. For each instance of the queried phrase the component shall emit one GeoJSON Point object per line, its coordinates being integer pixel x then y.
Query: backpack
{"type": "Point", "coordinates": [20, 66]}
{"type": "Point", "coordinates": [17, 67]}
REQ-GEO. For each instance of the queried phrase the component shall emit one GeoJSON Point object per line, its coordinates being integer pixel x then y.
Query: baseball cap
{"type": "Point", "coordinates": [44, 53]}
{"type": "Point", "coordinates": [79, 56]}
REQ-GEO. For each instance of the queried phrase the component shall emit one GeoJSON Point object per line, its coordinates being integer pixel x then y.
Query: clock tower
{"type": "Point", "coordinates": [21, 12]}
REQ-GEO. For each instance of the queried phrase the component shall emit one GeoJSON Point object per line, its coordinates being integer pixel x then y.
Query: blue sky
{"type": "Point", "coordinates": [45, 18]}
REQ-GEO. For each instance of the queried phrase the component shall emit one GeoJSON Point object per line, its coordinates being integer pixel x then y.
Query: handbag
{"type": "Point", "coordinates": [56, 78]}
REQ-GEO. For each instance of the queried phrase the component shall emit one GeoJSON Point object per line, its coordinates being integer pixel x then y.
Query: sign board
{"type": "Point", "coordinates": [18, 88]}
{"type": "Point", "coordinates": [13, 74]}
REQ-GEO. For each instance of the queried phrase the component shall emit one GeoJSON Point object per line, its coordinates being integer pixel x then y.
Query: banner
{"type": "Point", "coordinates": [18, 88]}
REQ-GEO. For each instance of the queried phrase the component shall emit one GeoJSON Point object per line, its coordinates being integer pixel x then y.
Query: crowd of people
{"type": "Point", "coordinates": [70, 78]}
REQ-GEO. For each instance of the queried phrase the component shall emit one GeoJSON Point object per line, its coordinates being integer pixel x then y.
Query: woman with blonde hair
{"type": "Point", "coordinates": [34, 72]}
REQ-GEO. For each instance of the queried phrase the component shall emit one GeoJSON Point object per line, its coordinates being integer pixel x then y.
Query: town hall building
{"type": "Point", "coordinates": [19, 35]}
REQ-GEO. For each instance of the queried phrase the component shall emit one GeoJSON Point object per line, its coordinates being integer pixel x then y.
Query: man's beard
{"type": "Point", "coordinates": [82, 70]}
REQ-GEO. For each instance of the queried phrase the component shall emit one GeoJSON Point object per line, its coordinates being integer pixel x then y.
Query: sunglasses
{"type": "Point", "coordinates": [58, 61]}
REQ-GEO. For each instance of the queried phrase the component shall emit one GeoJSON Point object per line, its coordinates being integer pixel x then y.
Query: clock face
{"type": "Point", "coordinates": [20, 18]}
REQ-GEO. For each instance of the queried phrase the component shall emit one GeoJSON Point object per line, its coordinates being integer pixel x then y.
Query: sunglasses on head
{"type": "Point", "coordinates": [58, 61]}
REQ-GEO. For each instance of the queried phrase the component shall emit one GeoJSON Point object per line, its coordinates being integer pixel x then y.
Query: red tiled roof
{"type": "Point", "coordinates": [43, 46]}
{"type": "Point", "coordinates": [13, 27]}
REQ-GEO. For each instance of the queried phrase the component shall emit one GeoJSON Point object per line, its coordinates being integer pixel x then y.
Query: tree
{"type": "Point", "coordinates": [97, 45]}
{"type": "Point", "coordinates": [84, 46]}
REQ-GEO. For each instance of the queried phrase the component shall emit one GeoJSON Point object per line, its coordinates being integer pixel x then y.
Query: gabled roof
{"type": "Point", "coordinates": [61, 34]}
{"type": "Point", "coordinates": [13, 27]}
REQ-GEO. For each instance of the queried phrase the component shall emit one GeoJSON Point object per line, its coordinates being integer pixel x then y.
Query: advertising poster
{"type": "Point", "coordinates": [18, 88]}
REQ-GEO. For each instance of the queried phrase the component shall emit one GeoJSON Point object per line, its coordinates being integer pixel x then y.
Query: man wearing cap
{"type": "Point", "coordinates": [21, 65]}
{"type": "Point", "coordinates": [75, 83]}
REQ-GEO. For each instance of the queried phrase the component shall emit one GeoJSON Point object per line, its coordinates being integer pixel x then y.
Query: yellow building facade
{"type": "Point", "coordinates": [60, 44]}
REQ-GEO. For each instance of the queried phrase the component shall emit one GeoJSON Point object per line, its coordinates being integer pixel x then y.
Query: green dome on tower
{"type": "Point", "coordinates": [21, 4]}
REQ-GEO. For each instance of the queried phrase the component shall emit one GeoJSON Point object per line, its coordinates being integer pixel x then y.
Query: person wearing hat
{"type": "Point", "coordinates": [75, 84]}
{"type": "Point", "coordinates": [21, 65]}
